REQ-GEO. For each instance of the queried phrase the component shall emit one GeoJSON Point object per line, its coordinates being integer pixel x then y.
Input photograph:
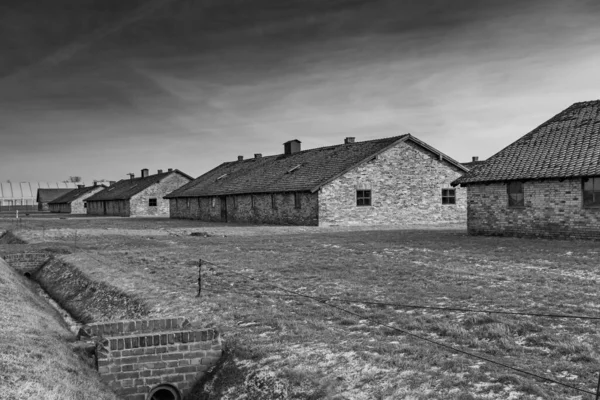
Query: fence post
{"type": "Point", "coordinates": [598, 388]}
{"type": "Point", "coordinates": [199, 277]}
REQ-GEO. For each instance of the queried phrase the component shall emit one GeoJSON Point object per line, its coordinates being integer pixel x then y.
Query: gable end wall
{"type": "Point", "coordinates": [139, 202]}
{"type": "Point", "coordinates": [406, 183]}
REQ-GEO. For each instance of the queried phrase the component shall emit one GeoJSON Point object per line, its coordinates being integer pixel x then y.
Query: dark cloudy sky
{"type": "Point", "coordinates": [100, 88]}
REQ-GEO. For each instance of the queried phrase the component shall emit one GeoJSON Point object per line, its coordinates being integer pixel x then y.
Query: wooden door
{"type": "Point", "coordinates": [223, 209]}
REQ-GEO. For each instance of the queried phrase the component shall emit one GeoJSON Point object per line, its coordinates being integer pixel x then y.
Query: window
{"type": "Point", "coordinates": [213, 202]}
{"type": "Point", "coordinates": [297, 203]}
{"type": "Point", "coordinates": [187, 202]}
{"type": "Point", "coordinates": [84, 204]}
{"type": "Point", "coordinates": [252, 201]}
{"type": "Point", "coordinates": [448, 196]}
{"type": "Point", "coordinates": [363, 197]}
{"type": "Point", "coordinates": [152, 202]}
{"type": "Point", "coordinates": [234, 198]}
{"type": "Point", "coordinates": [273, 201]}
{"type": "Point", "coordinates": [591, 192]}
{"type": "Point", "coordinates": [515, 194]}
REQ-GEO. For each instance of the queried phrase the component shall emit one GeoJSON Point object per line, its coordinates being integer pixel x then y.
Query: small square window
{"type": "Point", "coordinates": [84, 205]}
{"type": "Point", "coordinates": [516, 197]}
{"type": "Point", "coordinates": [363, 197]}
{"type": "Point", "coordinates": [448, 196]}
{"type": "Point", "coordinates": [152, 202]}
{"type": "Point", "coordinates": [297, 202]}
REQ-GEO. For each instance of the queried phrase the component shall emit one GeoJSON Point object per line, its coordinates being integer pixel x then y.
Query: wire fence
{"type": "Point", "coordinates": [327, 302]}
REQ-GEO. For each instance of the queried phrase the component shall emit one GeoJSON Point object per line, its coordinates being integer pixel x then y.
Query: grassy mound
{"type": "Point", "coordinates": [85, 299]}
{"type": "Point", "coordinates": [36, 359]}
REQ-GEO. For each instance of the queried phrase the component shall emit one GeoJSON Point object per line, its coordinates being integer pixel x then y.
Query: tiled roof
{"type": "Point", "coordinates": [126, 188]}
{"type": "Point", "coordinates": [74, 195]}
{"type": "Point", "coordinates": [568, 145]}
{"type": "Point", "coordinates": [306, 170]}
{"type": "Point", "coordinates": [47, 195]}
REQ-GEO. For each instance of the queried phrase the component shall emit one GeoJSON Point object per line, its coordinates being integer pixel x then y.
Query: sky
{"type": "Point", "coordinates": [101, 88]}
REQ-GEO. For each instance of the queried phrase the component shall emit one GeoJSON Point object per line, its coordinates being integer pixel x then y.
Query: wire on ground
{"type": "Point", "coordinates": [405, 332]}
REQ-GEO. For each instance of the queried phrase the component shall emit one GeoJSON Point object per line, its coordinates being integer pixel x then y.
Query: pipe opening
{"type": "Point", "coordinates": [27, 275]}
{"type": "Point", "coordinates": [164, 392]}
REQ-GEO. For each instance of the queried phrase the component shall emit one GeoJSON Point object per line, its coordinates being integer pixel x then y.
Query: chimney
{"type": "Point", "coordinates": [170, 170]}
{"type": "Point", "coordinates": [257, 155]}
{"type": "Point", "coordinates": [131, 175]}
{"type": "Point", "coordinates": [475, 159]}
{"type": "Point", "coordinates": [159, 171]}
{"type": "Point", "coordinates": [95, 183]}
{"type": "Point", "coordinates": [110, 183]}
{"type": "Point", "coordinates": [240, 158]}
{"type": "Point", "coordinates": [80, 186]}
{"type": "Point", "coordinates": [349, 140]}
{"type": "Point", "coordinates": [145, 173]}
{"type": "Point", "coordinates": [291, 147]}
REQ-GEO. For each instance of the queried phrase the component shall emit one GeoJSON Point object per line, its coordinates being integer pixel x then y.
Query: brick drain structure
{"type": "Point", "coordinates": [25, 262]}
{"type": "Point", "coordinates": [148, 359]}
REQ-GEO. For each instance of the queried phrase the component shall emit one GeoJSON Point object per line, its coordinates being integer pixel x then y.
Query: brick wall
{"type": "Point", "coordinates": [25, 262]}
{"type": "Point", "coordinates": [139, 202]}
{"type": "Point", "coordinates": [406, 183]}
{"type": "Point", "coordinates": [135, 356]}
{"type": "Point", "coordinates": [60, 208]}
{"type": "Point", "coordinates": [77, 205]}
{"type": "Point", "coordinates": [118, 208]}
{"type": "Point", "coordinates": [241, 210]}
{"type": "Point", "coordinates": [553, 209]}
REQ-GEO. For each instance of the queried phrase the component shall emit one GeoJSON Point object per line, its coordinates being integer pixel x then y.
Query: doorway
{"type": "Point", "coordinates": [223, 209]}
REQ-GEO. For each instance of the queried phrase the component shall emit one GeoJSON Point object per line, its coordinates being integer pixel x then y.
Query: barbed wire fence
{"type": "Point", "coordinates": [328, 303]}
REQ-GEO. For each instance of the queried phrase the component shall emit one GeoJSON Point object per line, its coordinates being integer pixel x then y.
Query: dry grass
{"type": "Point", "coordinates": [316, 352]}
{"type": "Point", "coordinates": [36, 360]}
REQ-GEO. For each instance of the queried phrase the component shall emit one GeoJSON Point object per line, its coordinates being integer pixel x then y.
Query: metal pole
{"type": "Point", "coordinates": [199, 278]}
{"type": "Point", "coordinates": [598, 388]}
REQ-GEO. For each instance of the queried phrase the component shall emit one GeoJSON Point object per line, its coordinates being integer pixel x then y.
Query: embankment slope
{"type": "Point", "coordinates": [36, 358]}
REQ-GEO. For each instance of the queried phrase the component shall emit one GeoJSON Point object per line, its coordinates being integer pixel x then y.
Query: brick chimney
{"type": "Point", "coordinates": [475, 159]}
{"type": "Point", "coordinates": [349, 140]}
{"type": "Point", "coordinates": [170, 170]}
{"type": "Point", "coordinates": [159, 171]}
{"type": "Point", "coordinates": [240, 158]}
{"type": "Point", "coordinates": [145, 173]}
{"type": "Point", "coordinates": [257, 155]}
{"type": "Point", "coordinates": [131, 175]}
{"type": "Point", "coordinates": [80, 186]}
{"type": "Point", "coordinates": [291, 147]}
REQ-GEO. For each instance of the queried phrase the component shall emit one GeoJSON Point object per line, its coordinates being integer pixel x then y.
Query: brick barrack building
{"type": "Point", "coordinates": [545, 184]}
{"type": "Point", "coordinates": [74, 202]}
{"type": "Point", "coordinates": [138, 197]}
{"type": "Point", "coordinates": [397, 180]}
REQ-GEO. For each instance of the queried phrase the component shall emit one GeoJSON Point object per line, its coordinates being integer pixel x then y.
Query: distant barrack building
{"type": "Point", "coordinates": [25, 193]}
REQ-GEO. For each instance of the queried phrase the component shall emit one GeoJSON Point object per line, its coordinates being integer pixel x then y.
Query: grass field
{"type": "Point", "coordinates": [312, 351]}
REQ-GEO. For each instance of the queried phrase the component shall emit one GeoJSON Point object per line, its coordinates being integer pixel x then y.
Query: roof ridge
{"type": "Point", "coordinates": [320, 148]}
